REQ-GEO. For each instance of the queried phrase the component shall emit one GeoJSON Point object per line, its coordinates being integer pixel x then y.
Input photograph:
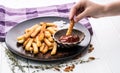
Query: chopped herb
{"type": "Point", "coordinates": [91, 58]}
{"type": "Point", "coordinates": [91, 48]}
{"type": "Point", "coordinates": [69, 65]}
{"type": "Point", "coordinates": [69, 68]}
{"type": "Point", "coordinates": [57, 68]}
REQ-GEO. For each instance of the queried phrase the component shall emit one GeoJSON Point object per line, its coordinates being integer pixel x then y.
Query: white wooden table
{"type": "Point", "coordinates": [106, 41]}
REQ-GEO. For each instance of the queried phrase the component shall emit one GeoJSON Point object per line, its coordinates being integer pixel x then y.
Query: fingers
{"type": "Point", "coordinates": [72, 12]}
{"type": "Point", "coordinates": [77, 11]}
{"type": "Point", "coordinates": [81, 15]}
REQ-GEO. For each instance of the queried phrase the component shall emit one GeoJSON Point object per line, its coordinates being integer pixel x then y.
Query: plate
{"type": "Point", "coordinates": [61, 54]}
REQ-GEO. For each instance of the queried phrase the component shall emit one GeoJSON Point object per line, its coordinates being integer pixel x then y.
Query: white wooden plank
{"type": "Point", "coordinates": [5, 68]}
{"type": "Point", "coordinates": [51, 66]}
{"type": "Point", "coordinates": [31, 3]}
{"type": "Point", "coordinates": [113, 53]}
{"type": "Point", "coordinates": [14, 63]}
{"type": "Point", "coordinates": [40, 67]}
{"type": "Point", "coordinates": [23, 62]}
{"type": "Point", "coordinates": [0, 58]}
{"type": "Point", "coordinates": [98, 65]}
{"type": "Point", "coordinates": [106, 43]}
{"type": "Point", "coordinates": [116, 23]}
{"type": "Point", "coordinates": [109, 41]}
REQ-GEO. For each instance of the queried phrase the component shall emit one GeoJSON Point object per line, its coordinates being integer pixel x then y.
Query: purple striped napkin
{"type": "Point", "coordinates": [10, 17]}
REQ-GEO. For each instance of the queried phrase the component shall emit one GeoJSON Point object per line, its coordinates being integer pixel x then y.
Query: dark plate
{"type": "Point", "coordinates": [62, 53]}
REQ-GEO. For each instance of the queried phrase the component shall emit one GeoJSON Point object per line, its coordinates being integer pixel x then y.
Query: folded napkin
{"type": "Point", "coordinates": [10, 17]}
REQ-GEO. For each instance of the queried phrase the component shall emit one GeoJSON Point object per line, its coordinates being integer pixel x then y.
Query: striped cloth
{"type": "Point", "coordinates": [10, 17]}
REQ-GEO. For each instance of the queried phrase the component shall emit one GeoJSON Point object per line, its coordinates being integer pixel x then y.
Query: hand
{"type": "Point", "coordinates": [86, 8]}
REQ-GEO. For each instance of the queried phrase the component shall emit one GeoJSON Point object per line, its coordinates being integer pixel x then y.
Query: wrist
{"type": "Point", "coordinates": [104, 11]}
{"type": "Point", "coordinates": [112, 9]}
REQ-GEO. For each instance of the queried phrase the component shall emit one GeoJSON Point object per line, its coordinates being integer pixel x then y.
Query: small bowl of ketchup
{"type": "Point", "coordinates": [68, 41]}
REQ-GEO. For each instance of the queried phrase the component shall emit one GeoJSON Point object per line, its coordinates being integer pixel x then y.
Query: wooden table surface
{"type": "Point", "coordinates": [106, 42]}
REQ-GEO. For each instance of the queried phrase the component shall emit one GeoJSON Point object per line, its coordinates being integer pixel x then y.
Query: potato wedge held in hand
{"type": "Point", "coordinates": [69, 31]}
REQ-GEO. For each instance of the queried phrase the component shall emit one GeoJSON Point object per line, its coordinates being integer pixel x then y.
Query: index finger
{"type": "Point", "coordinates": [72, 12]}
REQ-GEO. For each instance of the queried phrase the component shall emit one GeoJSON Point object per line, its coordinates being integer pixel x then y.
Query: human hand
{"type": "Point", "coordinates": [86, 8]}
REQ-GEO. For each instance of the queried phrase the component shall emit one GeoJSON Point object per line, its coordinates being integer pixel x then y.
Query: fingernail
{"type": "Point", "coordinates": [70, 17]}
{"type": "Point", "coordinates": [76, 19]}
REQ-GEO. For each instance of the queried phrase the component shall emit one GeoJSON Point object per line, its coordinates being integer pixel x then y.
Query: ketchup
{"type": "Point", "coordinates": [69, 38]}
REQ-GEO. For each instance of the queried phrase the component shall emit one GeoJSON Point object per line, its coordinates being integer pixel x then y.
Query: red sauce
{"type": "Point", "coordinates": [69, 38]}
